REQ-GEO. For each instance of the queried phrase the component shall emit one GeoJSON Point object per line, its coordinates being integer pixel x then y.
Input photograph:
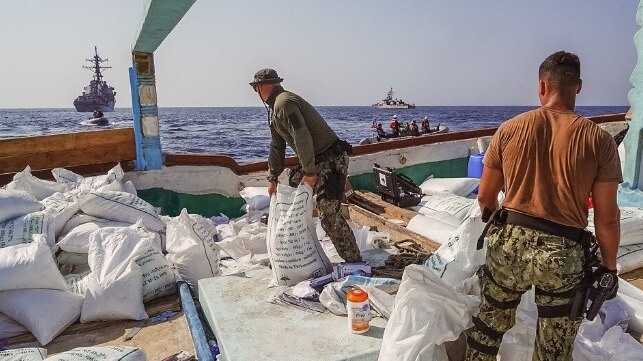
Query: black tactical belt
{"type": "Point", "coordinates": [547, 226]}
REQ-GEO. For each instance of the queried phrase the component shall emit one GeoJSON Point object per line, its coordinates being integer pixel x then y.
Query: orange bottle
{"type": "Point", "coordinates": [359, 310]}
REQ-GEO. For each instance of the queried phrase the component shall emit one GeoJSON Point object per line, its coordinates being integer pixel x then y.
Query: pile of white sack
{"type": "Point", "coordinates": [79, 248]}
{"type": "Point", "coordinates": [435, 301]}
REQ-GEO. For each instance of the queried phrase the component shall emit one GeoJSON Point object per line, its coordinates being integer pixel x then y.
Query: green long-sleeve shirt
{"type": "Point", "coordinates": [295, 122]}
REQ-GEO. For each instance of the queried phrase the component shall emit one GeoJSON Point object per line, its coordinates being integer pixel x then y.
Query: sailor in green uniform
{"type": "Point", "coordinates": [323, 157]}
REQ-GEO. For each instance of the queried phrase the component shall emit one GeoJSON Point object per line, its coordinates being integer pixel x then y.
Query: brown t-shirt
{"type": "Point", "coordinates": [550, 160]}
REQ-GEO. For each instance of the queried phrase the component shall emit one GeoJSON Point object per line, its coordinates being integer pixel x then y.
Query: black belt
{"type": "Point", "coordinates": [540, 224]}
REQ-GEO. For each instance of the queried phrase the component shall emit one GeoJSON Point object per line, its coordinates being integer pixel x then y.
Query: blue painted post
{"type": "Point", "coordinates": [194, 322]}
{"type": "Point", "coordinates": [145, 112]}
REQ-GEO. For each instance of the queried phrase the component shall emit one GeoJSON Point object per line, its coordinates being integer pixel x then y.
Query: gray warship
{"type": "Point", "coordinates": [97, 95]}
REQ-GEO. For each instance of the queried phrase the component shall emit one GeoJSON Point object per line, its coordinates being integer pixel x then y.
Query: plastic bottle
{"type": "Point", "coordinates": [359, 311]}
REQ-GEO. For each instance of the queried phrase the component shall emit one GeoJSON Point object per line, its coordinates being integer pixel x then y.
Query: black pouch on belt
{"type": "Point", "coordinates": [333, 185]}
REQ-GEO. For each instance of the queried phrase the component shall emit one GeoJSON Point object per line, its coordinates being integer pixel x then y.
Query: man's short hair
{"type": "Point", "coordinates": [561, 68]}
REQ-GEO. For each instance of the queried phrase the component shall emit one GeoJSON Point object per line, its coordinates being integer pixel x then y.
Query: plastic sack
{"type": "Point", "coordinates": [39, 188]}
{"type": "Point", "coordinates": [24, 354]}
{"type": "Point", "coordinates": [294, 251]}
{"type": "Point", "coordinates": [45, 313]}
{"type": "Point", "coordinates": [427, 313]}
{"type": "Point", "coordinates": [10, 328]}
{"type": "Point", "coordinates": [191, 247]}
{"type": "Point", "coordinates": [122, 207]}
{"type": "Point", "coordinates": [76, 181]}
{"type": "Point", "coordinates": [14, 204]}
{"type": "Point", "coordinates": [431, 227]}
{"type": "Point", "coordinates": [455, 205]}
{"type": "Point", "coordinates": [21, 230]}
{"type": "Point", "coordinates": [30, 266]}
{"type": "Point", "coordinates": [60, 207]}
{"type": "Point", "coordinates": [101, 353]}
{"type": "Point", "coordinates": [115, 287]}
{"type": "Point", "coordinates": [457, 259]}
{"type": "Point", "coordinates": [77, 239]}
{"type": "Point", "coordinates": [458, 186]}
{"type": "Point", "coordinates": [255, 197]}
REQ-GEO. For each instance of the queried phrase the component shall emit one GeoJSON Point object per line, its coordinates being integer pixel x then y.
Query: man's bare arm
{"type": "Point", "coordinates": [607, 221]}
{"type": "Point", "coordinates": [490, 185]}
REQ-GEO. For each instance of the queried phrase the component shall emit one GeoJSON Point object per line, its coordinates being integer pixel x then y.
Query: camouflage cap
{"type": "Point", "coordinates": [266, 76]}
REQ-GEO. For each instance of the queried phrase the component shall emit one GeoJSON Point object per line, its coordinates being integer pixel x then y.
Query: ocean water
{"type": "Point", "coordinates": [242, 132]}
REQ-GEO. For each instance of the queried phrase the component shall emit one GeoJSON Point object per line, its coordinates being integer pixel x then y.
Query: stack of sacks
{"type": "Point", "coordinates": [630, 252]}
{"type": "Point", "coordinates": [100, 353]}
{"type": "Point", "coordinates": [441, 214]}
{"type": "Point", "coordinates": [109, 245]}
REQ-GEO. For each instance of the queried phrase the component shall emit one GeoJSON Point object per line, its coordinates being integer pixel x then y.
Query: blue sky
{"type": "Point", "coordinates": [432, 52]}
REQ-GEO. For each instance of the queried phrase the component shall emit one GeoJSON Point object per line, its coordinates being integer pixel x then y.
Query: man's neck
{"type": "Point", "coordinates": [559, 102]}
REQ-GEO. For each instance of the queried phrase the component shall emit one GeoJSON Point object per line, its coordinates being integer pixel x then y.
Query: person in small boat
{"type": "Point", "coordinates": [380, 131]}
{"type": "Point", "coordinates": [97, 114]}
{"type": "Point", "coordinates": [426, 128]}
{"type": "Point", "coordinates": [395, 127]}
{"type": "Point", "coordinates": [548, 160]}
{"type": "Point", "coordinates": [323, 157]}
{"type": "Point", "coordinates": [413, 128]}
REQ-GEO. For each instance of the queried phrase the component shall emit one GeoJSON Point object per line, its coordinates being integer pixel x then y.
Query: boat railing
{"type": "Point", "coordinates": [95, 152]}
{"type": "Point", "coordinates": [87, 153]}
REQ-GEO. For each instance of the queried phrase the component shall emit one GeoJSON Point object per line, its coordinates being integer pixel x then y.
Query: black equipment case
{"type": "Point", "coordinates": [396, 188]}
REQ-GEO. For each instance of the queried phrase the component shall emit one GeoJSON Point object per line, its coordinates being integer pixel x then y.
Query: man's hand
{"type": "Point", "coordinates": [272, 188]}
{"type": "Point", "coordinates": [311, 180]}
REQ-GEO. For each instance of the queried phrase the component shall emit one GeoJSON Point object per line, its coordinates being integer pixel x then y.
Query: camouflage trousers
{"type": "Point", "coordinates": [331, 178]}
{"type": "Point", "coordinates": [517, 258]}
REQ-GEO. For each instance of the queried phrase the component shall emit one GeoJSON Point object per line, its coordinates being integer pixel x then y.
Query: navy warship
{"type": "Point", "coordinates": [97, 95]}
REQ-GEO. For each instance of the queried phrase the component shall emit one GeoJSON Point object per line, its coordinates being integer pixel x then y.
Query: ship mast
{"type": "Point", "coordinates": [96, 67]}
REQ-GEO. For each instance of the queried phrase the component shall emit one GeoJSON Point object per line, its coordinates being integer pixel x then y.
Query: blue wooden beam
{"type": "Point", "coordinates": [160, 17]}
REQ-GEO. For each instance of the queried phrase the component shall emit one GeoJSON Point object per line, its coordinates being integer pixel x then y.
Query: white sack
{"type": "Point", "coordinates": [191, 246]}
{"type": "Point", "coordinates": [39, 188]}
{"type": "Point", "coordinates": [14, 204]}
{"type": "Point", "coordinates": [632, 300]}
{"type": "Point", "coordinates": [615, 345]}
{"type": "Point", "coordinates": [250, 240]}
{"type": "Point", "coordinates": [60, 207]}
{"type": "Point", "coordinates": [29, 266]}
{"type": "Point", "coordinates": [10, 328]}
{"type": "Point", "coordinates": [255, 197]}
{"type": "Point", "coordinates": [24, 354]}
{"type": "Point", "coordinates": [78, 219]}
{"type": "Point", "coordinates": [455, 205]}
{"type": "Point", "coordinates": [77, 282]}
{"type": "Point", "coordinates": [457, 259]}
{"type": "Point", "coordinates": [121, 206]}
{"type": "Point", "coordinates": [77, 239]}
{"type": "Point", "coordinates": [158, 277]}
{"type": "Point", "coordinates": [427, 313]}
{"type": "Point", "coordinates": [21, 230]}
{"type": "Point", "coordinates": [72, 259]}
{"type": "Point", "coordinates": [294, 251]}
{"type": "Point", "coordinates": [101, 353]}
{"type": "Point", "coordinates": [115, 287]}
{"type": "Point", "coordinates": [77, 181]}
{"type": "Point", "coordinates": [45, 313]}
{"type": "Point", "coordinates": [458, 186]}
{"type": "Point", "coordinates": [431, 228]}
{"type": "Point", "coordinates": [630, 257]}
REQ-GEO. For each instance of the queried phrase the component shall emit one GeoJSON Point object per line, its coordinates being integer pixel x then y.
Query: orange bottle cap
{"type": "Point", "coordinates": [356, 295]}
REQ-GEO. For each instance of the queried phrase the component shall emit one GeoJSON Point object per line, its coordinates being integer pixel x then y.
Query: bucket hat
{"type": "Point", "coordinates": [266, 75]}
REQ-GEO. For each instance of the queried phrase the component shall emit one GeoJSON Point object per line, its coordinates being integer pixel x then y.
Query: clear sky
{"type": "Point", "coordinates": [432, 52]}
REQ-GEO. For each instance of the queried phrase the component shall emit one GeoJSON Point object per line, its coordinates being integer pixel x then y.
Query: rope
{"type": "Point", "coordinates": [410, 252]}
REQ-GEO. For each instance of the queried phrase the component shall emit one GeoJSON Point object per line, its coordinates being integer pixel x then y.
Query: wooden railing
{"type": "Point", "coordinates": [95, 152]}
{"type": "Point", "coordinates": [87, 153]}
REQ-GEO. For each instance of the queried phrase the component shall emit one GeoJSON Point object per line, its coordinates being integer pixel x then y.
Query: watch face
{"type": "Point", "coordinates": [606, 280]}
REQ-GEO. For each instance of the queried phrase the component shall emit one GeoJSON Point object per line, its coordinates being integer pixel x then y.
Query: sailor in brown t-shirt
{"type": "Point", "coordinates": [548, 161]}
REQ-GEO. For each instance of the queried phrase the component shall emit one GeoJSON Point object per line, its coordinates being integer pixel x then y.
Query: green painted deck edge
{"type": "Point", "coordinates": [207, 205]}
{"type": "Point", "coordinates": [452, 168]}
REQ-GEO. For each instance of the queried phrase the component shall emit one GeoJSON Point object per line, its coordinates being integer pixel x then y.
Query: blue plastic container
{"type": "Point", "coordinates": [475, 167]}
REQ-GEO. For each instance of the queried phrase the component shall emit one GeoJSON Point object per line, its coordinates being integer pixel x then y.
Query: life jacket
{"type": "Point", "coordinates": [395, 124]}
{"type": "Point", "coordinates": [425, 123]}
